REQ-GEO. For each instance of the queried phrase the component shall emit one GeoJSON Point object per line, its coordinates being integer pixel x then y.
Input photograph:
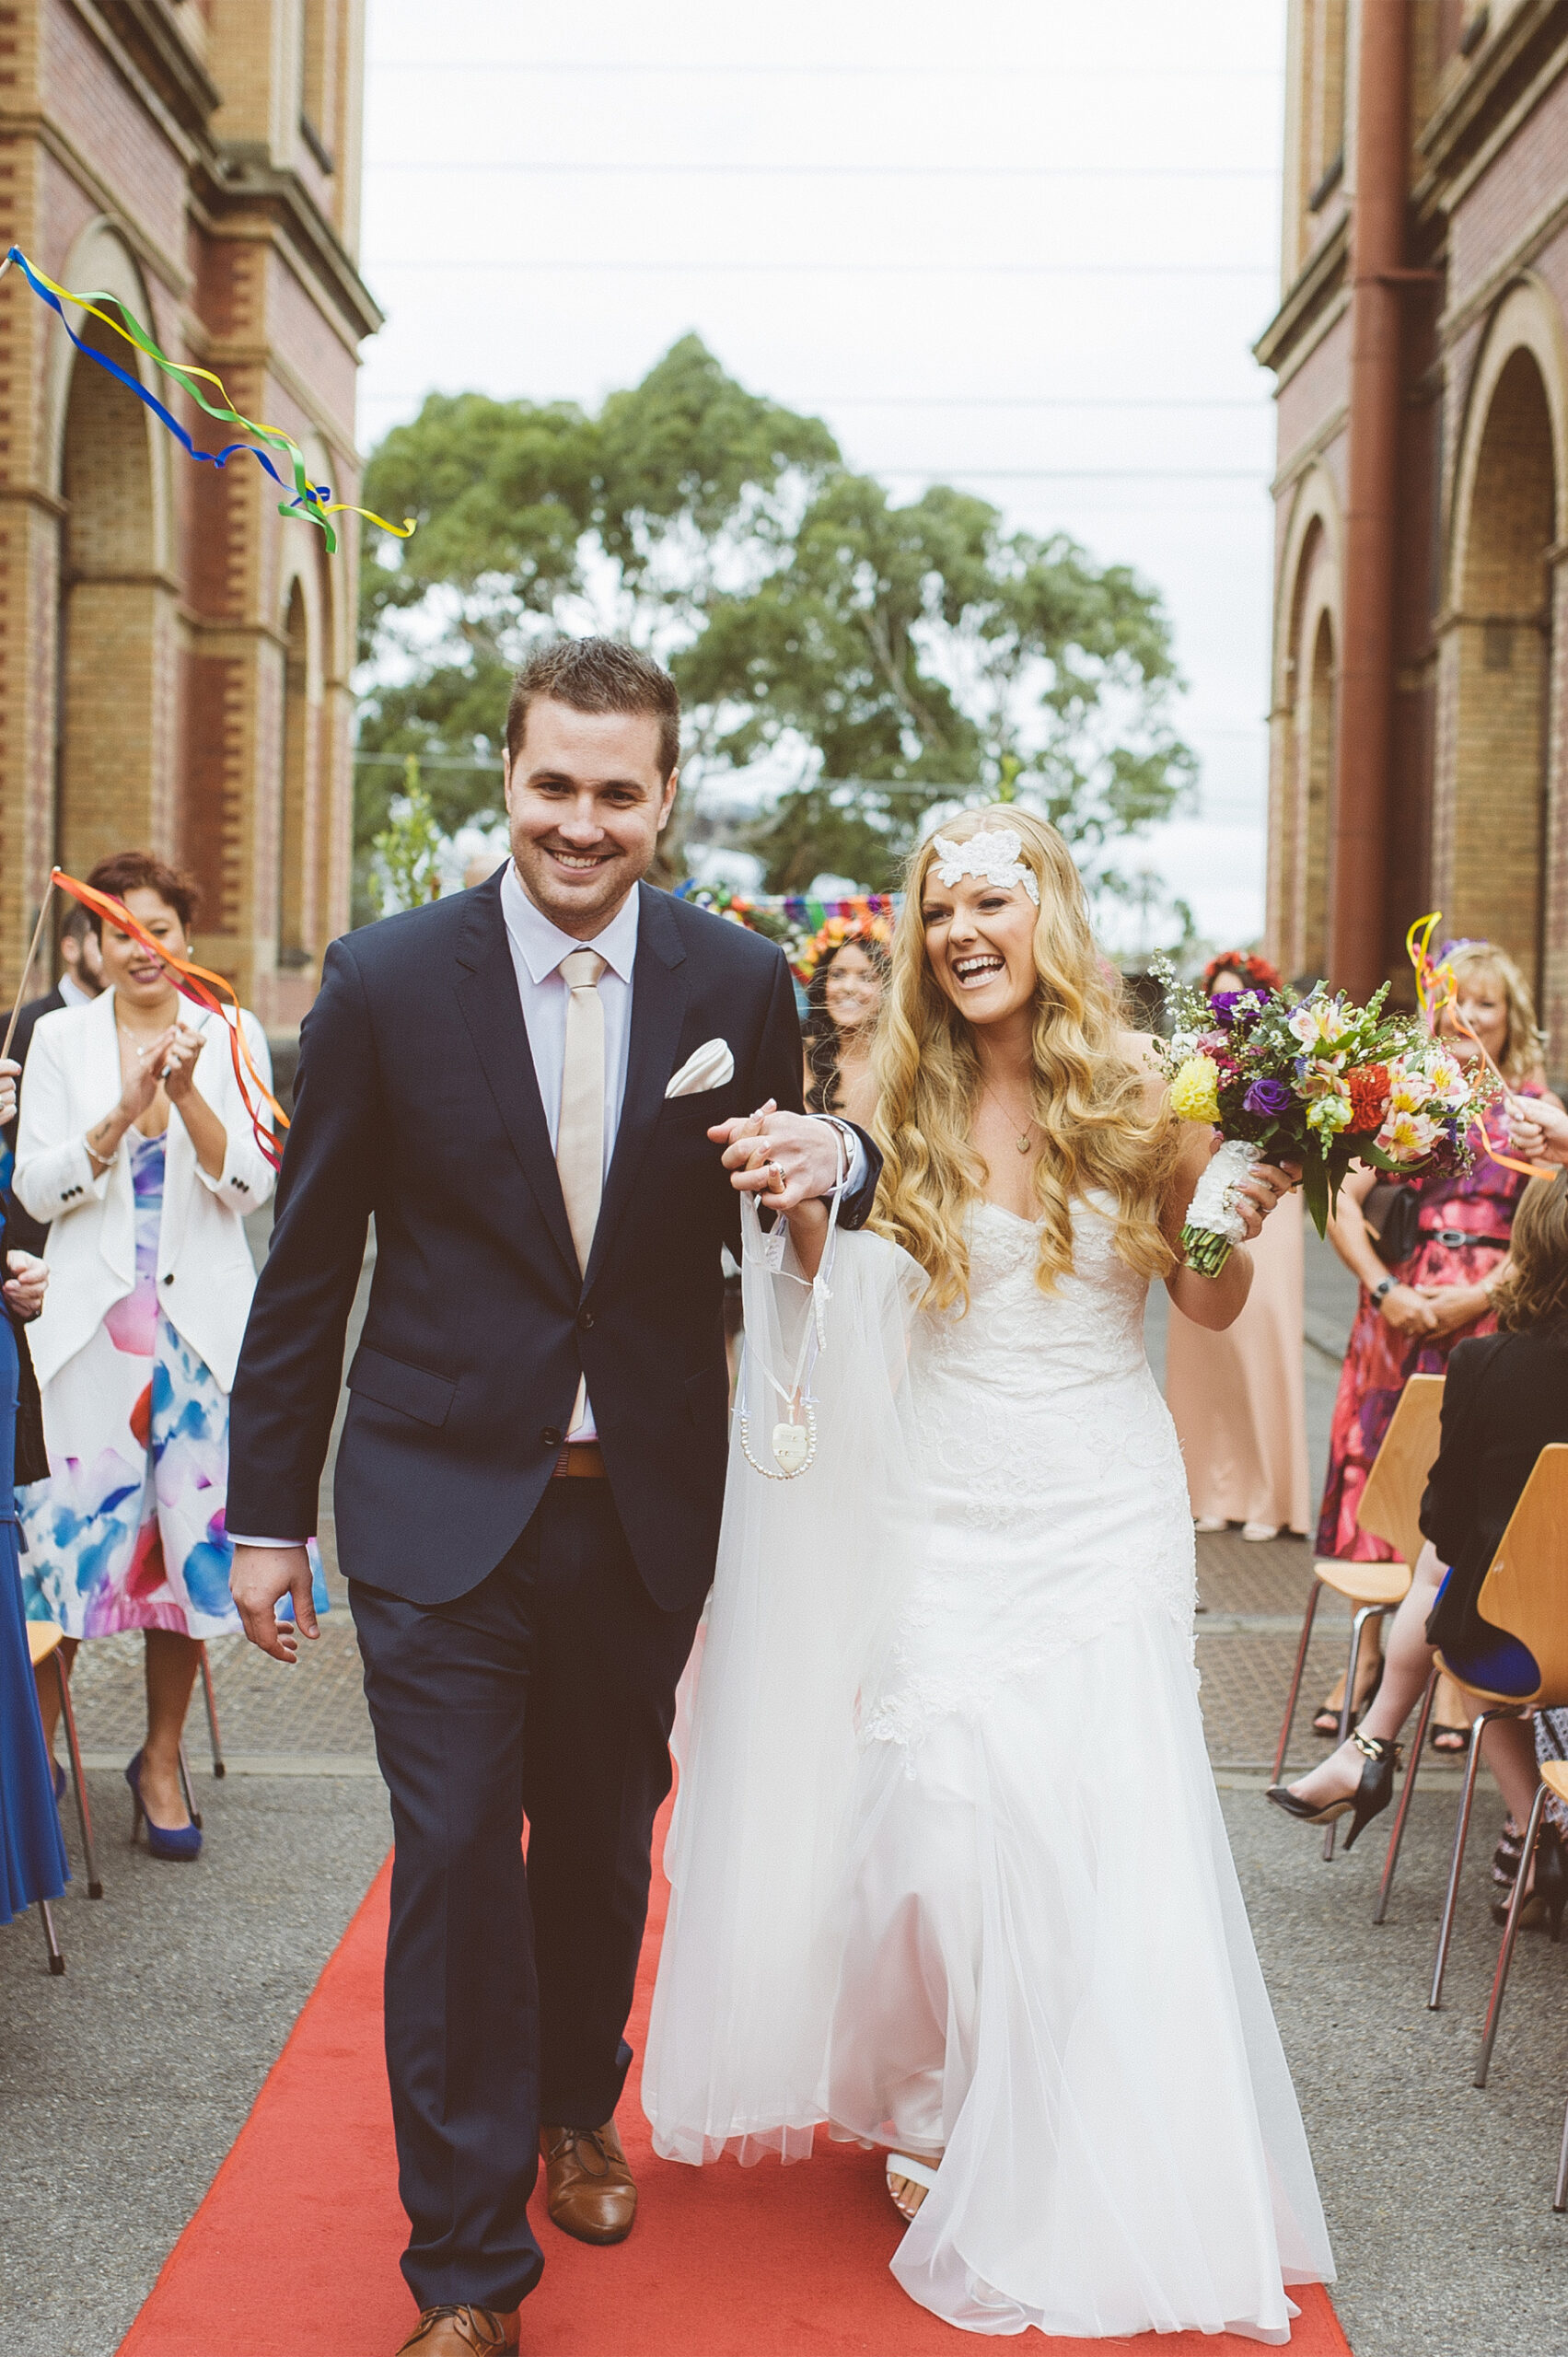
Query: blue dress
{"type": "Point", "coordinates": [32, 1854]}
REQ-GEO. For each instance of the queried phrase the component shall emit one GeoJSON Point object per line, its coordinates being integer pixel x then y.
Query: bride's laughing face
{"type": "Point", "coordinates": [979, 940]}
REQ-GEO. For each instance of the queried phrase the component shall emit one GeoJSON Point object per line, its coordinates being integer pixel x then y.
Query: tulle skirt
{"type": "Point", "coordinates": [1049, 1982]}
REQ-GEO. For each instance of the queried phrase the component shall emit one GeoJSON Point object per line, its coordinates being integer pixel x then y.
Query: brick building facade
{"type": "Point", "coordinates": [1419, 717]}
{"type": "Point", "coordinates": [174, 655]}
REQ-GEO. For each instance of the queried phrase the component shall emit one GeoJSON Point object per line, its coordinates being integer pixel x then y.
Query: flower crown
{"type": "Point", "coordinates": [833, 934]}
{"type": "Point", "coordinates": [992, 855]}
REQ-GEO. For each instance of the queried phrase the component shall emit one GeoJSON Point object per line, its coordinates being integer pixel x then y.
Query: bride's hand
{"type": "Point", "coordinates": [1265, 1185]}
{"type": "Point", "coordinates": [808, 1234]}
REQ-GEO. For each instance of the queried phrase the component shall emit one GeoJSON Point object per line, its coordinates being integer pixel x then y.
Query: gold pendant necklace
{"type": "Point", "coordinates": [1022, 1141]}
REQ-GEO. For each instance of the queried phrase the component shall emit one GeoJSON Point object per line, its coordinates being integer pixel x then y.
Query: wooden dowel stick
{"type": "Point", "coordinates": [26, 969]}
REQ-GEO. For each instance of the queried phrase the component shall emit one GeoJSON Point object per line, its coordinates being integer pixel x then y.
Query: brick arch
{"type": "Point", "coordinates": [302, 755]}
{"type": "Point", "coordinates": [1305, 667]}
{"type": "Point", "coordinates": [1495, 788]}
{"type": "Point", "coordinates": [117, 704]}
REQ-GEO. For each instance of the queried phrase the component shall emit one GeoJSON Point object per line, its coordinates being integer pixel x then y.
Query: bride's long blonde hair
{"type": "Point", "coordinates": [1089, 1095]}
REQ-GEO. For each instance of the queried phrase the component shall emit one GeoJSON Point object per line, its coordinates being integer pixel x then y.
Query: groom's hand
{"type": "Point", "coordinates": [259, 1577]}
{"type": "Point", "coordinates": [781, 1158]}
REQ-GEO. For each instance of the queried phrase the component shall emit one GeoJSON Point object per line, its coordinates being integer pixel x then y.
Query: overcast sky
{"type": "Point", "coordinates": [1015, 245]}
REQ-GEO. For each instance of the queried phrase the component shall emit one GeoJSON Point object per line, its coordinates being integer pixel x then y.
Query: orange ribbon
{"type": "Point", "coordinates": [1438, 993]}
{"type": "Point", "coordinates": [204, 989]}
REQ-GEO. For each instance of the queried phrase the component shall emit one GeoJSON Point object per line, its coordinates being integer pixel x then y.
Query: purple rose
{"type": "Point", "coordinates": [1223, 1006]}
{"type": "Point", "coordinates": [1268, 1097]}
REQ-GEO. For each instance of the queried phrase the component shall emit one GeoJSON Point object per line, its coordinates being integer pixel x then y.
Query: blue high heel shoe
{"type": "Point", "coordinates": [175, 1841]}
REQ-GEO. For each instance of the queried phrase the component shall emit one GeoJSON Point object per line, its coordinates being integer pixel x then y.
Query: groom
{"type": "Point", "coordinates": [531, 1473]}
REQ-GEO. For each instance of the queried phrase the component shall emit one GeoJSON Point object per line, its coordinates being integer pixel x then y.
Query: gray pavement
{"type": "Point", "coordinates": [123, 2085]}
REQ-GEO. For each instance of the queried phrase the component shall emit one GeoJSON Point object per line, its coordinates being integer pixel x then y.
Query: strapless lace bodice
{"type": "Point", "coordinates": [1057, 1496]}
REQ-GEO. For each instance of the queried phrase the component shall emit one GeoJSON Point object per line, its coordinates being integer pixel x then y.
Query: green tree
{"type": "Point", "coordinates": [894, 656]}
{"type": "Point", "coordinates": [408, 848]}
{"type": "Point", "coordinates": [925, 654]}
{"type": "Point", "coordinates": [537, 517]}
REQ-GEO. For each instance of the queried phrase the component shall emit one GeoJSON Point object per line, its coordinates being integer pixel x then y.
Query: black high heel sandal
{"type": "Point", "coordinates": [1326, 1723]}
{"type": "Point", "coordinates": [1370, 1798]}
{"type": "Point", "coordinates": [1548, 1895]}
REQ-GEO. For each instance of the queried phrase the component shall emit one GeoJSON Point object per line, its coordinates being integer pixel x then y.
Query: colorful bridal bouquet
{"type": "Point", "coordinates": [1317, 1082]}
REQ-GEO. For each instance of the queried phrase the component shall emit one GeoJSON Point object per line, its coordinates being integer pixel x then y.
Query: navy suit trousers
{"type": "Point", "coordinates": [547, 1692]}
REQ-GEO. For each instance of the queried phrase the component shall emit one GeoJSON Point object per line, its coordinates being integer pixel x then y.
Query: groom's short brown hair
{"type": "Point", "coordinates": [597, 675]}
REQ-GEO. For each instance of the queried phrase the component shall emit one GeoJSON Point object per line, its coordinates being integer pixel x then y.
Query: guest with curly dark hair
{"type": "Point", "coordinates": [135, 1146]}
{"type": "Point", "coordinates": [842, 999]}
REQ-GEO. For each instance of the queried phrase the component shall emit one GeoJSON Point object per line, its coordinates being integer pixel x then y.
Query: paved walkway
{"type": "Point", "coordinates": [123, 2085]}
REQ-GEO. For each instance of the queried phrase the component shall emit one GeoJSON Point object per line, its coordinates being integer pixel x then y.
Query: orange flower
{"type": "Point", "coordinates": [1369, 1087]}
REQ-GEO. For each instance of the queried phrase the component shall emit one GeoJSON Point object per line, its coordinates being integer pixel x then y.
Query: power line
{"type": "Point", "coordinates": [576, 269]}
{"type": "Point", "coordinates": [808, 403]}
{"type": "Point", "coordinates": [705, 67]}
{"type": "Point", "coordinates": [1259, 474]}
{"type": "Point", "coordinates": [833, 171]}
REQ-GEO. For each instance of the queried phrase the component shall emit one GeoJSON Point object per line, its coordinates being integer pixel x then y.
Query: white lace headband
{"type": "Point", "coordinates": [993, 854]}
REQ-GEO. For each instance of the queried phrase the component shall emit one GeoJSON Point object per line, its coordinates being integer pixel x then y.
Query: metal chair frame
{"type": "Point", "coordinates": [56, 1961]}
{"type": "Point", "coordinates": [78, 1780]}
{"type": "Point", "coordinates": [1389, 1509]}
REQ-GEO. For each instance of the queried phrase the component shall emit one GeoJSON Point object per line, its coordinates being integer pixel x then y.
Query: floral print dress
{"type": "Point", "coordinates": [128, 1532]}
{"type": "Point", "coordinates": [1479, 1204]}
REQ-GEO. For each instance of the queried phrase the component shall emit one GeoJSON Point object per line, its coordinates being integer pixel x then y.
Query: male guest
{"type": "Point", "coordinates": [529, 1085]}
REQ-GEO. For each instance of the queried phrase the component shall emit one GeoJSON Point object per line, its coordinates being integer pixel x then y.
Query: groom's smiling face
{"type": "Point", "coordinates": [584, 805]}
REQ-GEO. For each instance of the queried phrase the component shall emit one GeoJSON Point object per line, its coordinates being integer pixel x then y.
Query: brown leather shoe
{"type": "Point", "coordinates": [462, 2331]}
{"type": "Point", "coordinates": [589, 2187]}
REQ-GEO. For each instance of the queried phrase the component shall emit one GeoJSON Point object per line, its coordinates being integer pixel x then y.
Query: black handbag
{"type": "Point", "coordinates": [1392, 1214]}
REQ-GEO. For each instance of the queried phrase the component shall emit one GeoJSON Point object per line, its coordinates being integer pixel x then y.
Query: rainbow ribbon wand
{"type": "Point", "coordinates": [313, 502]}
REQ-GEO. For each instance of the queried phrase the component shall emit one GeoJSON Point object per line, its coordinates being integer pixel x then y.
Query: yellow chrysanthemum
{"type": "Point", "coordinates": [1195, 1091]}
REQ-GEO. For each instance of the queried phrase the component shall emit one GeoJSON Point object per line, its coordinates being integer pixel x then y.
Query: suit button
{"type": "Point", "coordinates": [551, 1437]}
{"type": "Point", "coordinates": [584, 1320]}
{"type": "Point", "coordinates": [169, 1279]}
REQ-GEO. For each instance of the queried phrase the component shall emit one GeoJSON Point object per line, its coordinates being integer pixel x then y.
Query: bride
{"type": "Point", "coordinates": [948, 1869]}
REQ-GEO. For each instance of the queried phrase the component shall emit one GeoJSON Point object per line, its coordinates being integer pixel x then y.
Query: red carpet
{"type": "Point", "coordinates": [295, 2249]}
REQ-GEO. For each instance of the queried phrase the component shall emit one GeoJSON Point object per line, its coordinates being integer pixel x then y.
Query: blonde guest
{"type": "Point", "coordinates": [1237, 1397]}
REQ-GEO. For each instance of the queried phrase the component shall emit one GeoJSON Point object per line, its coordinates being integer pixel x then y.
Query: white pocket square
{"type": "Point", "coordinates": [708, 1066]}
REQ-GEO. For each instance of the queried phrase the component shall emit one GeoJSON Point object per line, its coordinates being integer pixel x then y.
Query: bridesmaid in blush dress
{"type": "Point", "coordinates": [1238, 1397]}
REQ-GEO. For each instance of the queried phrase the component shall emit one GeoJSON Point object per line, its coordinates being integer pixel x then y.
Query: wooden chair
{"type": "Point", "coordinates": [1525, 1594]}
{"type": "Point", "coordinates": [1390, 1509]}
{"type": "Point", "coordinates": [44, 1641]}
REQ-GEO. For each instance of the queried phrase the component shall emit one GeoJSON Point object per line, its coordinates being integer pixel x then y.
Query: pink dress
{"type": "Point", "coordinates": [1238, 1398]}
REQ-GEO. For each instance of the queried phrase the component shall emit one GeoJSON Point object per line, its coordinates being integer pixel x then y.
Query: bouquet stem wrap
{"type": "Point", "coordinates": [1214, 1226]}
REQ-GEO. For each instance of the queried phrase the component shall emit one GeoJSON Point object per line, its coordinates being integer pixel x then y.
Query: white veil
{"type": "Point", "coordinates": [809, 1574]}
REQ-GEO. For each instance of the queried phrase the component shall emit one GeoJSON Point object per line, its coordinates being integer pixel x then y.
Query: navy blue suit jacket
{"type": "Point", "coordinates": [416, 1101]}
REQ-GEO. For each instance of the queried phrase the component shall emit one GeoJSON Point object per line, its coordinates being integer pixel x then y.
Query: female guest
{"type": "Point", "coordinates": [1413, 1310]}
{"type": "Point", "coordinates": [32, 1855]}
{"type": "Point", "coordinates": [1506, 1400]}
{"type": "Point", "coordinates": [135, 1143]}
{"type": "Point", "coordinates": [842, 1001]}
{"type": "Point", "coordinates": [1238, 1397]}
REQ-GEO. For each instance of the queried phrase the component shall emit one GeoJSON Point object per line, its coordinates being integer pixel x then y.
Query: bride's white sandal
{"type": "Point", "coordinates": [908, 2182]}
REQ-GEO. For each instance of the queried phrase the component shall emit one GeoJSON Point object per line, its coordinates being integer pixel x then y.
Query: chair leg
{"type": "Point", "coordinates": [79, 1782]}
{"type": "Point", "coordinates": [1461, 1834]}
{"type": "Point", "coordinates": [211, 1701]}
{"type": "Point", "coordinates": [1295, 1693]}
{"type": "Point", "coordinates": [56, 1961]}
{"type": "Point", "coordinates": [1560, 2197]}
{"type": "Point", "coordinates": [188, 1788]}
{"type": "Point", "coordinates": [1397, 1834]}
{"type": "Point", "coordinates": [1347, 1708]}
{"type": "Point", "coordinates": [1510, 1932]}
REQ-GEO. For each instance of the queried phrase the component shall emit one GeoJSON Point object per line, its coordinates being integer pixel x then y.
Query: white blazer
{"type": "Point", "coordinates": [206, 1274]}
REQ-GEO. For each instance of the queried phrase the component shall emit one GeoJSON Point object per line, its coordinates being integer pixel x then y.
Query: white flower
{"type": "Point", "coordinates": [1317, 1021]}
{"type": "Point", "coordinates": [1408, 1136]}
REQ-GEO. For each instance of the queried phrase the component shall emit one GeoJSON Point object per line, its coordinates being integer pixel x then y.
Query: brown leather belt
{"type": "Point", "coordinates": [582, 1460]}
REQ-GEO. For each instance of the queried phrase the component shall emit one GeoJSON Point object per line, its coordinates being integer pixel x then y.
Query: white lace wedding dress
{"type": "Point", "coordinates": [949, 1869]}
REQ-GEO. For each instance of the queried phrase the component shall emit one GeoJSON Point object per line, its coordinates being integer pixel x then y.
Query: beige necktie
{"type": "Point", "coordinates": [579, 1140]}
